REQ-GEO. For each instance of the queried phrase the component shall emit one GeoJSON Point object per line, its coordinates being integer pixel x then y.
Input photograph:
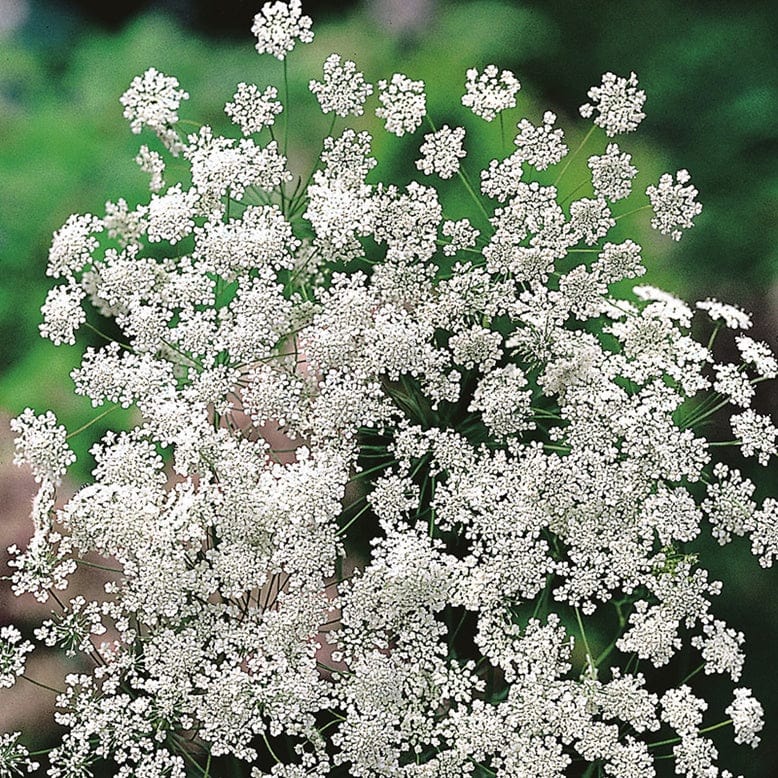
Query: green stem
{"type": "Point", "coordinates": [589, 660]}
{"type": "Point", "coordinates": [94, 329]}
{"type": "Point", "coordinates": [287, 106]}
{"type": "Point", "coordinates": [634, 210]}
{"type": "Point", "coordinates": [572, 156]}
{"type": "Point", "coordinates": [93, 421]}
{"type": "Point", "coordinates": [264, 736]}
{"type": "Point", "coordinates": [693, 673]}
{"type": "Point", "coordinates": [344, 528]}
{"type": "Point", "coordinates": [673, 740]}
{"type": "Point", "coordinates": [466, 182]}
{"type": "Point", "coordinates": [42, 685]}
{"type": "Point", "coordinates": [98, 567]}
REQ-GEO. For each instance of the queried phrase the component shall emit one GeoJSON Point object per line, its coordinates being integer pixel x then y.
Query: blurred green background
{"type": "Point", "coordinates": [710, 70]}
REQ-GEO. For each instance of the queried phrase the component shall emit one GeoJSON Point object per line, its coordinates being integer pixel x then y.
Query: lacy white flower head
{"type": "Point", "coordinates": [619, 104]}
{"type": "Point", "coordinates": [674, 204]}
{"type": "Point", "coordinates": [63, 314]}
{"type": "Point", "coordinates": [403, 104]}
{"type": "Point", "coordinates": [747, 717]}
{"type": "Point", "coordinates": [72, 245]}
{"type": "Point", "coordinates": [733, 317]}
{"type": "Point", "coordinates": [152, 101]}
{"type": "Point", "coordinates": [486, 95]}
{"type": "Point", "coordinates": [344, 89]}
{"type": "Point", "coordinates": [13, 655]}
{"type": "Point", "coordinates": [253, 110]}
{"type": "Point", "coordinates": [758, 354]}
{"type": "Point", "coordinates": [540, 146]}
{"type": "Point", "coordinates": [14, 757]}
{"type": "Point", "coordinates": [41, 443]}
{"type": "Point", "coordinates": [612, 173]}
{"type": "Point", "coordinates": [278, 25]}
{"type": "Point", "coordinates": [441, 151]}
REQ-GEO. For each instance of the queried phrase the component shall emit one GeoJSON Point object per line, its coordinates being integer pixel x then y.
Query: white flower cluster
{"type": "Point", "coordinates": [619, 104]}
{"type": "Point", "coordinates": [441, 152]}
{"type": "Point", "coordinates": [486, 95]}
{"type": "Point", "coordinates": [344, 89]}
{"type": "Point", "coordinates": [390, 467]}
{"type": "Point", "coordinates": [13, 655]}
{"type": "Point", "coordinates": [253, 110]}
{"type": "Point", "coordinates": [403, 104]}
{"type": "Point", "coordinates": [152, 101]}
{"type": "Point", "coordinates": [277, 26]}
{"type": "Point", "coordinates": [674, 204]}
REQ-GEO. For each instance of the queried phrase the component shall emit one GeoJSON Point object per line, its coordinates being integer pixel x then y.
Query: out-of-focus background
{"type": "Point", "coordinates": [710, 69]}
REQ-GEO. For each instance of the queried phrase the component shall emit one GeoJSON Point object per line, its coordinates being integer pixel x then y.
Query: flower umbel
{"type": "Point", "coordinates": [278, 25]}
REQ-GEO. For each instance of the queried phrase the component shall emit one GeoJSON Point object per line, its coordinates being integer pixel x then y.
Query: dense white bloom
{"type": "Point", "coordinates": [344, 89]}
{"type": "Point", "coordinates": [757, 435]}
{"type": "Point", "coordinates": [612, 173]}
{"type": "Point", "coordinates": [72, 245]}
{"type": "Point", "coordinates": [171, 215]}
{"type": "Point", "coordinates": [278, 25]}
{"type": "Point", "coordinates": [618, 261]}
{"type": "Point", "coordinates": [590, 219]}
{"type": "Point", "coordinates": [347, 158]}
{"type": "Point", "coordinates": [262, 237]}
{"type": "Point", "coordinates": [759, 355]}
{"type": "Point", "coordinates": [62, 314]}
{"type": "Point", "coordinates": [152, 101]}
{"type": "Point", "coordinates": [13, 655]}
{"type": "Point", "coordinates": [720, 648]}
{"type": "Point", "coordinates": [619, 104]}
{"type": "Point", "coordinates": [403, 104]}
{"type": "Point", "coordinates": [682, 710]}
{"type": "Point", "coordinates": [41, 444]}
{"type": "Point", "coordinates": [674, 204]}
{"type": "Point", "coordinates": [374, 493]}
{"type": "Point", "coordinates": [734, 384]}
{"type": "Point", "coordinates": [224, 166]}
{"type": "Point", "coordinates": [441, 151]}
{"type": "Point", "coordinates": [504, 401]}
{"type": "Point", "coordinates": [463, 236]}
{"type": "Point", "coordinates": [486, 95]}
{"type": "Point", "coordinates": [747, 717]}
{"type": "Point", "coordinates": [541, 146]}
{"type": "Point", "coordinates": [253, 110]}
{"type": "Point", "coordinates": [502, 178]}
{"type": "Point", "coordinates": [732, 316]}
